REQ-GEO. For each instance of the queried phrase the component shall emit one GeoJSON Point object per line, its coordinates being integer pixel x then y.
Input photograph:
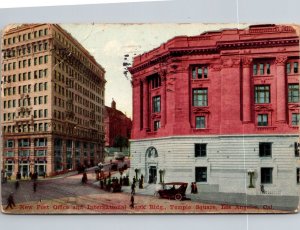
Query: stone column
{"type": "Point", "coordinates": [281, 107]}
{"type": "Point", "coordinates": [73, 155]}
{"type": "Point", "coordinates": [64, 154]}
{"type": "Point", "coordinates": [163, 98]}
{"type": "Point", "coordinates": [136, 101]}
{"type": "Point", "coordinates": [145, 104]}
{"type": "Point", "coordinates": [31, 156]}
{"type": "Point", "coordinates": [50, 155]}
{"type": "Point", "coordinates": [247, 89]}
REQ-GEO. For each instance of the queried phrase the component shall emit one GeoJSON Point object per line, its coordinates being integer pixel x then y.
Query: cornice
{"type": "Point", "coordinates": [238, 44]}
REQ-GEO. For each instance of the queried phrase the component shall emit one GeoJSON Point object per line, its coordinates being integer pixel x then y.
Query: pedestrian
{"type": "Point", "coordinates": [195, 188]}
{"type": "Point", "coordinates": [132, 201]}
{"type": "Point", "coordinates": [18, 175]}
{"type": "Point", "coordinates": [34, 186]}
{"type": "Point", "coordinates": [84, 178]}
{"type": "Point", "coordinates": [10, 201]}
{"type": "Point", "coordinates": [133, 188]}
{"type": "Point", "coordinates": [17, 184]}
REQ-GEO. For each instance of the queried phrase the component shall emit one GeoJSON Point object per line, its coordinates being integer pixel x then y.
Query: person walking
{"type": "Point", "coordinates": [34, 186]}
{"type": "Point", "coordinates": [10, 201]}
{"type": "Point", "coordinates": [133, 188]}
{"type": "Point", "coordinates": [132, 201]}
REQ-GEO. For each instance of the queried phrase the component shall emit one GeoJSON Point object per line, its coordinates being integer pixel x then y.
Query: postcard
{"type": "Point", "coordinates": [149, 118]}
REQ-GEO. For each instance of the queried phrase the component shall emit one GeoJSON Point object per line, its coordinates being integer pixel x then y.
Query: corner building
{"type": "Point", "coordinates": [221, 109]}
{"type": "Point", "coordinates": [52, 101]}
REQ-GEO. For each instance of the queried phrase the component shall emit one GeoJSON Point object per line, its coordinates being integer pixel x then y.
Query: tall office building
{"type": "Point", "coordinates": [52, 101]}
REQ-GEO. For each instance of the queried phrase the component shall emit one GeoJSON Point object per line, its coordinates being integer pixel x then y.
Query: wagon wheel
{"type": "Point", "coordinates": [178, 196]}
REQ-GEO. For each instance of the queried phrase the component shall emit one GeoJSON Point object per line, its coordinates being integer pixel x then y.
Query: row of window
{"type": "Point", "coordinates": [261, 94]}
{"type": "Point", "coordinates": [26, 63]}
{"type": "Point", "coordinates": [25, 76]}
{"type": "Point", "coordinates": [263, 119]}
{"type": "Point", "coordinates": [25, 128]}
{"type": "Point", "coordinates": [25, 50]}
{"type": "Point", "coordinates": [42, 86]}
{"type": "Point", "coordinates": [25, 102]}
{"type": "Point", "coordinates": [25, 36]}
{"type": "Point", "coordinates": [265, 149]}
{"type": "Point", "coordinates": [42, 142]}
{"type": "Point", "coordinates": [266, 175]}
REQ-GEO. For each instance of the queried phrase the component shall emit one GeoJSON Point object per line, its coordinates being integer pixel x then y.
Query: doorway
{"type": "Point", "coordinates": [152, 175]}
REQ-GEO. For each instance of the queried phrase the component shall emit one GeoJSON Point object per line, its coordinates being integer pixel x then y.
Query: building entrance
{"type": "Point", "coordinates": [152, 175]}
{"type": "Point", "coordinates": [24, 168]}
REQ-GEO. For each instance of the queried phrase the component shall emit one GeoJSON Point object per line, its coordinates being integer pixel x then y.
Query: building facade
{"type": "Point", "coordinates": [116, 125]}
{"type": "Point", "coordinates": [52, 101]}
{"type": "Point", "coordinates": [221, 109]}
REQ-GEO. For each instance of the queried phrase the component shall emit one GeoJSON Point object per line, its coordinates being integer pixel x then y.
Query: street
{"type": "Point", "coordinates": [66, 195]}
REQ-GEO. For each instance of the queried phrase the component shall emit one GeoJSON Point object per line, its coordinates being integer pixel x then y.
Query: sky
{"type": "Point", "coordinates": [108, 43]}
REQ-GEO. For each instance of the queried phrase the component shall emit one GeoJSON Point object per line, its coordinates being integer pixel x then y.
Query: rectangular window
{"type": "Point", "coordinates": [24, 143]}
{"type": "Point", "coordinates": [266, 175]}
{"type": "Point", "coordinates": [261, 69]}
{"type": "Point", "coordinates": [262, 94]}
{"type": "Point", "coordinates": [199, 72]}
{"type": "Point", "coordinates": [40, 113]}
{"type": "Point", "coordinates": [298, 175]}
{"type": "Point", "coordinates": [201, 174]}
{"type": "Point", "coordinates": [295, 119]}
{"type": "Point", "coordinates": [40, 100]}
{"type": "Point", "coordinates": [46, 59]}
{"type": "Point", "coordinates": [35, 113]}
{"type": "Point", "coordinates": [45, 112]}
{"type": "Point", "coordinates": [262, 120]}
{"type": "Point", "coordinates": [295, 67]}
{"type": "Point", "coordinates": [156, 104]}
{"type": "Point", "coordinates": [200, 122]}
{"type": "Point", "coordinates": [200, 150]}
{"type": "Point", "coordinates": [40, 60]}
{"type": "Point", "coordinates": [265, 149]}
{"type": "Point", "coordinates": [40, 142]}
{"type": "Point", "coordinates": [268, 68]}
{"type": "Point", "coordinates": [199, 97]}
{"type": "Point", "coordinates": [9, 144]}
{"type": "Point", "coordinates": [297, 149]}
{"type": "Point", "coordinates": [254, 69]}
{"type": "Point", "coordinates": [45, 99]}
{"type": "Point", "coordinates": [293, 93]}
{"type": "Point", "coordinates": [156, 125]}
{"type": "Point", "coordinates": [45, 86]}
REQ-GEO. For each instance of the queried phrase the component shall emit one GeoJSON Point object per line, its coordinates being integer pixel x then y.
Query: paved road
{"type": "Point", "coordinates": [68, 195]}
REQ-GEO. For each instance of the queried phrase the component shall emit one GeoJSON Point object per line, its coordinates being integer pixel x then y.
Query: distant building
{"type": "Point", "coordinates": [116, 125]}
{"type": "Point", "coordinates": [52, 101]}
{"type": "Point", "coordinates": [221, 109]}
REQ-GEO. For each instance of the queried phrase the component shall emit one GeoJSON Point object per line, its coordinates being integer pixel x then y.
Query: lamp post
{"type": "Point", "coordinates": [161, 175]}
{"type": "Point", "coordinates": [251, 173]}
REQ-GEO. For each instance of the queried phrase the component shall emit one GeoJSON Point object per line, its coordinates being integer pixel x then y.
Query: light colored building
{"type": "Point", "coordinates": [52, 101]}
{"type": "Point", "coordinates": [221, 109]}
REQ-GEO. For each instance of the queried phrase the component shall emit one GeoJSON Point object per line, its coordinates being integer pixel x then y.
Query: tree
{"type": "Point", "coordinates": [120, 142]}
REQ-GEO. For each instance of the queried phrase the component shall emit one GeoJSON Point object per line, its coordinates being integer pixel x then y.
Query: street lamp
{"type": "Point", "coordinates": [161, 175]}
{"type": "Point", "coordinates": [251, 173]}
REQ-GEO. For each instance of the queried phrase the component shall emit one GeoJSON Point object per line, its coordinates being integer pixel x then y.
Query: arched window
{"type": "Point", "coordinates": [151, 152]}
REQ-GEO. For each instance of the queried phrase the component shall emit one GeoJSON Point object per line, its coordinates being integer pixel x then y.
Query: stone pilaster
{"type": "Point", "coordinates": [246, 62]}
{"type": "Point", "coordinates": [281, 89]}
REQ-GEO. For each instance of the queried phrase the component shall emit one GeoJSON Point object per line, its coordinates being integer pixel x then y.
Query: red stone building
{"type": "Point", "coordinates": [116, 124]}
{"type": "Point", "coordinates": [216, 107]}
